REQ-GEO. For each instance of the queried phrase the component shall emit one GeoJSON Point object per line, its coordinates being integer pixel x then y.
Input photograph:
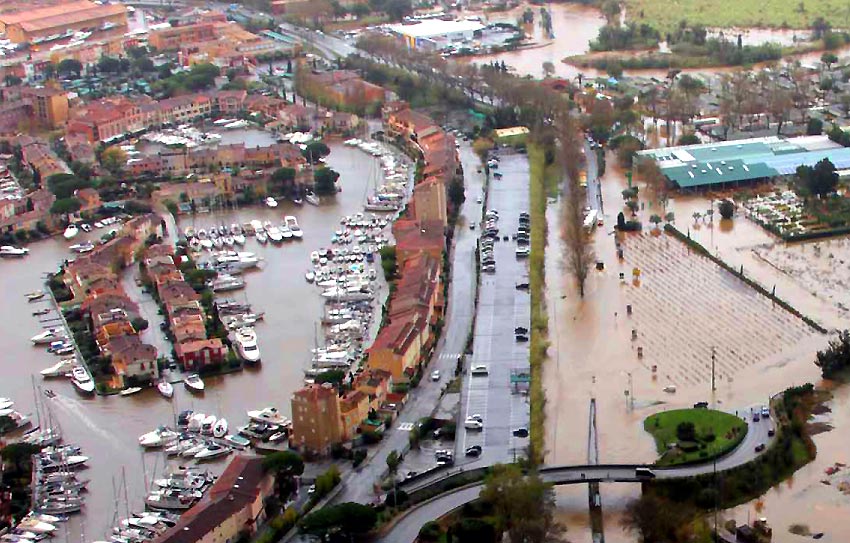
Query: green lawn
{"type": "Point", "coordinates": [666, 14]}
{"type": "Point", "coordinates": [716, 433]}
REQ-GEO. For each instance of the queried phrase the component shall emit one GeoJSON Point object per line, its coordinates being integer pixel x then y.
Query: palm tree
{"type": "Point", "coordinates": [656, 220]}
{"type": "Point", "coordinates": [669, 217]}
{"type": "Point", "coordinates": [697, 215]}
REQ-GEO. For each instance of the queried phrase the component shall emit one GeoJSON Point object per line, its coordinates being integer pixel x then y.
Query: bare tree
{"type": "Point", "coordinates": [578, 245]}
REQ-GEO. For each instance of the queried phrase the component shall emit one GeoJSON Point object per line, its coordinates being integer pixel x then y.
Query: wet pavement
{"type": "Point", "coordinates": [501, 308]}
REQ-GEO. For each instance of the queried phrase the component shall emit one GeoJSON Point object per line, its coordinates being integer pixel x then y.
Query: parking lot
{"type": "Point", "coordinates": [502, 308]}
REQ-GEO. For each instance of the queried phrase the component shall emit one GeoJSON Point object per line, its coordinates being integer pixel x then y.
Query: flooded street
{"type": "Point", "coordinates": [107, 428]}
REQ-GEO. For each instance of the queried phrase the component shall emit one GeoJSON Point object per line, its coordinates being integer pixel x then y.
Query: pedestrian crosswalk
{"type": "Point", "coordinates": [405, 426]}
{"type": "Point", "coordinates": [449, 356]}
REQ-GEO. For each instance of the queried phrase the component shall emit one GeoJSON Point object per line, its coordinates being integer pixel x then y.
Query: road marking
{"type": "Point", "coordinates": [405, 426]}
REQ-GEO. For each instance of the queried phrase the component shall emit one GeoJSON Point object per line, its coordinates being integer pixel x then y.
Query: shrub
{"type": "Point", "coordinates": [430, 531]}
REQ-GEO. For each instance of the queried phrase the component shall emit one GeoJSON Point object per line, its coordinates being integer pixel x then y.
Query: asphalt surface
{"type": "Point", "coordinates": [501, 308]}
{"type": "Point", "coordinates": [407, 528]}
{"type": "Point", "coordinates": [359, 485]}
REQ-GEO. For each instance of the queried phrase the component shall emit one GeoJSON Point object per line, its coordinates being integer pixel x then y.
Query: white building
{"type": "Point", "coordinates": [436, 34]}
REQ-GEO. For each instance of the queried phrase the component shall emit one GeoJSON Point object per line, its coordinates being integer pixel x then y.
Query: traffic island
{"type": "Point", "coordinates": [685, 436]}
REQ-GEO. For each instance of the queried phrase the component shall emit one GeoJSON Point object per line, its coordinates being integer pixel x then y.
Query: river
{"type": "Point", "coordinates": [107, 427]}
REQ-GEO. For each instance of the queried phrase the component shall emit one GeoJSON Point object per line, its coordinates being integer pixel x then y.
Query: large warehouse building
{"type": "Point", "coordinates": [435, 34]}
{"type": "Point", "coordinates": [28, 26]}
{"type": "Point", "coordinates": [709, 165]}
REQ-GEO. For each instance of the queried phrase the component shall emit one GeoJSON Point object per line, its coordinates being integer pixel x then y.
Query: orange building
{"type": "Point", "coordinates": [33, 25]}
{"type": "Point", "coordinates": [316, 423]}
{"type": "Point", "coordinates": [173, 38]}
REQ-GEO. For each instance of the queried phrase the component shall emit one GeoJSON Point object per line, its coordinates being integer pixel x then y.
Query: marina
{"type": "Point", "coordinates": [111, 425]}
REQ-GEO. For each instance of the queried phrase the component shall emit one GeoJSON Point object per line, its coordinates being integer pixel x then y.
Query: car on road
{"type": "Point", "coordinates": [765, 412]}
{"type": "Point", "coordinates": [489, 268]}
{"type": "Point", "coordinates": [520, 330]}
{"type": "Point", "coordinates": [522, 251]}
{"type": "Point", "coordinates": [756, 417]}
{"type": "Point", "coordinates": [472, 424]}
{"type": "Point", "coordinates": [435, 375]}
{"type": "Point", "coordinates": [521, 338]}
{"type": "Point", "coordinates": [701, 405]}
{"type": "Point", "coordinates": [771, 432]}
{"type": "Point", "coordinates": [497, 175]}
{"type": "Point", "coordinates": [477, 417]}
{"type": "Point", "coordinates": [522, 286]}
{"type": "Point", "coordinates": [644, 473]}
{"type": "Point", "coordinates": [475, 450]}
{"type": "Point", "coordinates": [479, 369]}
{"type": "Point", "coordinates": [472, 226]}
{"type": "Point", "coordinates": [479, 200]}
{"type": "Point", "coordinates": [311, 490]}
{"type": "Point", "coordinates": [760, 447]}
{"type": "Point", "coordinates": [521, 432]}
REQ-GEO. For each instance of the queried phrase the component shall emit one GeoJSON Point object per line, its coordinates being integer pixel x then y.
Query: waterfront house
{"type": "Point", "coordinates": [376, 384]}
{"type": "Point", "coordinates": [234, 505]}
{"type": "Point", "coordinates": [199, 353]}
{"type": "Point", "coordinates": [132, 359]}
{"type": "Point", "coordinates": [353, 410]}
{"type": "Point", "coordinates": [414, 236]}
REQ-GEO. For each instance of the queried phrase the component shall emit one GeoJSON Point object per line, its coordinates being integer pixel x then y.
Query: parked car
{"type": "Point", "coordinates": [522, 286]}
{"type": "Point", "coordinates": [475, 450]}
{"type": "Point", "coordinates": [520, 330]}
{"type": "Point", "coordinates": [472, 424]}
{"type": "Point", "coordinates": [435, 375]}
{"type": "Point", "coordinates": [479, 369]}
{"type": "Point", "coordinates": [521, 338]}
{"type": "Point", "coordinates": [760, 447]}
{"type": "Point", "coordinates": [521, 432]}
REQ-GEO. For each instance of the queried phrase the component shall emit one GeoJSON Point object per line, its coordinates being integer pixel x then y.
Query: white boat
{"type": "Point", "coordinates": [225, 282]}
{"type": "Point", "coordinates": [213, 451]}
{"type": "Point", "coordinates": [241, 123]}
{"type": "Point", "coordinates": [206, 243]}
{"type": "Point", "coordinates": [130, 391]}
{"type": "Point", "coordinates": [292, 224]}
{"type": "Point", "coordinates": [271, 202]}
{"type": "Point", "coordinates": [275, 234]}
{"type": "Point", "coordinates": [262, 237]}
{"type": "Point", "coordinates": [239, 239]}
{"type": "Point", "coordinates": [159, 437]}
{"type": "Point", "coordinates": [82, 248]}
{"type": "Point", "coordinates": [208, 424]}
{"type": "Point", "coordinates": [310, 276]}
{"type": "Point", "coordinates": [228, 240]}
{"type": "Point", "coordinates": [6, 403]}
{"type": "Point", "coordinates": [58, 369]}
{"type": "Point", "coordinates": [312, 199]}
{"type": "Point", "coordinates": [165, 388]}
{"type": "Point", "coordinates": [221, 122]}
{"type": "Point", "coordinates": [270, 415]}
{"type": "Point", "coordinates": [257, 226]}
{"type": "Point", "coordinates": [238, 442]}
{"type": "Point", "coordinates": [193, 450]}
{"type": "Point", "coordinates": [246, 345]}
{"type": "Point", "coordinates": [285, 232]}
{"type": "Point", "coordinates": [10, 251]}
{"type": "Point", "coordinates": [195, 422]}
{"type": "Point", "coordinates": [237, 260]}
{"type": "Point", "coordinates": [220, 428]}
{"type": "Point", "coordinates": [36, 526]}
{"type": "Point", "coordinates": [194, 382]}
{"type": "Point", "coordinates": [82, 380]}
{"type": "Point", "coordinates": [71, 231]}
{"type": "Point", "coordinates": [48, 336]}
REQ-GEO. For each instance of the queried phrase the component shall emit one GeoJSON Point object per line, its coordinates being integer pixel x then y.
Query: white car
{"type": "Point", "coordinates": [480, 369]}
{"type": "Point", "coordinates": [435, 375]}
{"type": "Point", "coordinates": [472, 424]}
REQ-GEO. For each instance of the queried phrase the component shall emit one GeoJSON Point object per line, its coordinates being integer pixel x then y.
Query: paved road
{"type": "Point", "coordinates": [501, 308]}
{"type": "Point", "coordinates": [407, 528]}
{"type": "Point", "coordinates": [423, 399]}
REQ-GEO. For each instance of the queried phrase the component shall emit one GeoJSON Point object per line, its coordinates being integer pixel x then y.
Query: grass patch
{"type": "Point", "coordinates": [714, 434]}
{"type": "Point", "coordinates": [454, 386]}
{"type": "Point", "coordinates": [542, 176]}
{"type": "Point", "coordinates": [665, 15]}
{"type": "Point", "coordinates": [792, 449]}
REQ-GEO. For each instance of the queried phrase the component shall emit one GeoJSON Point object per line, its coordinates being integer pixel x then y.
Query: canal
{"type": "Point", "coordinates": [107, 428]}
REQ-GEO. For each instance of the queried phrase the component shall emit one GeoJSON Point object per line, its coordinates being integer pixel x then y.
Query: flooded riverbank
{"type": "Point", "coordinates": [107, 428]}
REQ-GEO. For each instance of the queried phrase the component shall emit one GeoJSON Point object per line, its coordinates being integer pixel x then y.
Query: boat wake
{"type": "Point", "coordinates": [75, 409]}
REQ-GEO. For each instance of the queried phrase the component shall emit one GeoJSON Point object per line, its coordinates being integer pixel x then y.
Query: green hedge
{"type": "Point", "coordinates": [672, 230]}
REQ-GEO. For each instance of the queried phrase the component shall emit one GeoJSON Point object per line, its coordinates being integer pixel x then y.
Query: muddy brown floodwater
{"type": "Point", "coordinates": [107, 427]}
{"type": "Point", "coordinates": [683, 305]}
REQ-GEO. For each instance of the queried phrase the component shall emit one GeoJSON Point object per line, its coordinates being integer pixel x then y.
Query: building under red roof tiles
{"type": "Point", "coordinates": [413, 237]}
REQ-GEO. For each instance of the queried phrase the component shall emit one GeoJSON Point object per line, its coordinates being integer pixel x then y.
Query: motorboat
{"type": "Point", "coordinates": [159, 437]}
{"type": "Point", "coordinates": [34, 295]}
{"type": "Point", "coordinates": [48, 336]}
{"type": "Point", "coordinates": [285, 232]}
{"type": "Point", "coordinates": [239, 239]}
{"type": "Point", "coordinates": [237, 442]}
{"type": "Point", "coordinates": [58, 369]}
{"type": "Point", "coordinates": [275, 235]}
{"type": "Point", "coordinates": [225, 282]}
{"type": "Point", "coordinates": [195, 421]}
{"type": "Point", "coordinates": [82, 248]}
{"type": "Point", "coordinates": [208, 424]}
{"type": "Point", "coordinates": [262, 237]}
{"type": "Point", "coordinates": [228, 240]}
{"type": "Point", "coordinates": [278, 436]}
{"type": "Point", "coordinates": [271, 202]}
{"type": "Point", "coordinates": [71, 232]}
{"type": "Point", "coordinates": [165, 388]}
{"type": "Point", "coordinates": [10, 251]}
{"type": "Point", "coordinates": [194, 449]}
{"type": "Point", "coordinates": [292, 224]}
{"type": "Point", "coordinates": [6, 403]}
{"type": "Point", "coordinates": [237, 260]}
{"type": "Point", "coordinates": [310, 276]}
{"type": "Point", "coordinates": [246, 344]}
{"type": "Point", "coordinates": [194, 382]}
{"type": "Point", "coordinates": [312, 199]}
{"type": "Point", "coordinates": [130, 391]}
{"type": "Point", "coordinates": [18, 420]}
{"type": "Point", "coordinates": [268, 415]}
{"type": "Point", "coordinates": [36, 526]}
{"type": "Point", "coordinates": [220, 428]}
{"type": "Point", "coordinates": [82, 380]}
{"type": "Point", "coordinates": [213, 451]}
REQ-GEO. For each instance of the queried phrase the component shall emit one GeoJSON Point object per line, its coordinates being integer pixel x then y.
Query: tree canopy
{"type": "Point", "coordinates": [345, 520]}
{"type": "Point", "coordinates": [64, 185]}
{"type": "Point", "coordinates": [315, 150]}
{"type": "Point", "coordinates": [820, 180]}
{"type": "Point", "coordinates": [325, 179]}
{"type": "Point", "coordinates": [836, 357]}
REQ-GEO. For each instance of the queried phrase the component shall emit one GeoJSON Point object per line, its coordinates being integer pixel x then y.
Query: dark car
{"type": "Point", "coordinates": [521, 432]}
{"type": "Point", "coordinates": [521, 338]}
{"type": "Point", "coordinates": [497, 175]}
{"type": "Point", "coordinates": [522, 286]}
{"type": "Point", "coordinates": [760, 447]}
{"type": "Point", "coordinates": [520, 330]}
{"type": "Point", "coordinates": [701, 405]}
{"type": "Point", "coordinates": [475, 450]}
{"type": "Point", "coordinates": [771, 432]}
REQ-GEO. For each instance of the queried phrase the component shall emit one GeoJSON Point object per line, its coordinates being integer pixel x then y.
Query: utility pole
{"type": "Point", "coordinates": [713, 361]}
